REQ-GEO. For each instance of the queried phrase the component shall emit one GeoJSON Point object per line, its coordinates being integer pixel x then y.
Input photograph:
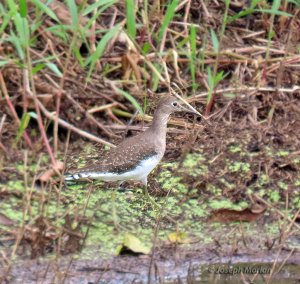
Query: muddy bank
{"type": "Point", "coordinates": [200, 265]}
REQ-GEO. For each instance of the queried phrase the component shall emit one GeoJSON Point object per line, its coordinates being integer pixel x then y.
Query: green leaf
{"type": "Point", "coordinates": [60, 31]}
{"type": "Point", "coordinates": [218, 78]}
{"type": "Point", "coordinates": [23, 125]}
{"type": "Point", "coordinates": [193, 41]}
{"type": "Point", "coordinates": [240, 15]}
{"type": "Point", "coordinates": [146, 47]}
{"type": "Point", "coordinates": [74, 13]}
{"type": "Point", "coordinates": [95, 6]}
{"type": "Point", "coordinates": [133, 244]}
{"type": "Point", "coordinates": [230, 95]}
{"type": "Point", "coordinates": [276, 5]}
{"type": "Point", "coordinates": [3, 63]}
{"type": "Point", "coordinates": [193, 55]}
{"type": "Point", "coordinates": [130, 17]}
{"type": "Point", "coordinates": [16, 42]}
{"type": "Point", "coordinates": [38, 67]}
{"type": "Point", "coordinates": [33, 115]}
{"type": "Point", "coordinates": [54, 68]}
{"type": "Point", "coordinates": [210, 79]}
{"type": "Point", "coordinates": [12, 6]}
{"type": "Point", "coordinates": [179, 237]}
{"type": "Point", "coordinates": [96, 15]}
{"type": "Point", "coordinates": [215, 41]}
{"type": "Point", "coordinates": [254, 3]}
{"type": "Point", "coordinates": [45, 9]}
{"type": "Point", "coordinates": [22, 29]}
{"type": "Point", "coordinates": [272, 12]}
{"type": "Point", "coordinates": [167, 19]}
{"type": "Point", "coordinates": [227, 2]}
{"type": "Point", "coordinates": [131, 99]}
{"type": "Point", "coordinates": [296, 2]}
{"type": "Point", "coordinates": [100, 48]}
{"type": "Point", "coordinates": [23, 8]}
{"type": "Point", "coordinates": [78, 56]}
{"type": "Point", "coordinates": [6, 20]}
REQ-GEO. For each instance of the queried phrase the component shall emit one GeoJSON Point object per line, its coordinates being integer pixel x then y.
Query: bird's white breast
{"type": "Point", "coordinates": [140, 172]}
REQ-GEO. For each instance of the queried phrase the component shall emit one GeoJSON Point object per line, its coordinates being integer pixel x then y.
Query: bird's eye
{"type": "Point", "coordinates": [174, 104]}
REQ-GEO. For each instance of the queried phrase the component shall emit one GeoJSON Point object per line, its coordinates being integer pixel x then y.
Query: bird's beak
{"type": "Point", "coordinates": [188, 110]}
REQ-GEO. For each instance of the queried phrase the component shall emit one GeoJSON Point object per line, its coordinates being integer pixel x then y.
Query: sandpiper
{"type": "Point", "coordinates": [137, 156]}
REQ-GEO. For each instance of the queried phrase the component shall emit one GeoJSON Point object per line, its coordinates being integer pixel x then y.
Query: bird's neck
{"type": "Point", "coordinates": [159, 123]}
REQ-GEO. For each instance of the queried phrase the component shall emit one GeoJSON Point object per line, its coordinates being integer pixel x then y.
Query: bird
{"type": "Point", "coordinates": [137, 156]}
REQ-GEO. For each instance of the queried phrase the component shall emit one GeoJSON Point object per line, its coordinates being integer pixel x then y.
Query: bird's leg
{"type": "Point", "coordinates": [148, 197]}
{"type": "Point", "coordinates": [114, 209]}
{"type": "Point", "coordinates": [115, 216]}
{"type": "Point", "coordinates": [155, 204]}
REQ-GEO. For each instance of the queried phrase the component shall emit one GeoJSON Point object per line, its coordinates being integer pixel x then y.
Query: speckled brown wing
{"type": "Point", "coordinates": [125, 157]}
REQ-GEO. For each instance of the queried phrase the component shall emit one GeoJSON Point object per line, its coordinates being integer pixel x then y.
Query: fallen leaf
{"type": "Point", "coordinates": [229, 215]}
{"type": "Point", "coordinates": [132, 245]}
{"type": "Point", "coordinates": [178, 237]}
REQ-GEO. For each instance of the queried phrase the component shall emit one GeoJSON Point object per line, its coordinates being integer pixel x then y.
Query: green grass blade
{"type": "Point", "coordinates": [3, 63]}
{"type": "Point", "coordinates": [254, 3]}
{"type": "Point", "coordinates": [130, 17]}
{"type": "Point", "coordinates": [23, 8]}
{"type": "Point", "coordinates": [276, 5]}
{"type": "Point", "coordinates": [91, 60]}
{"type": "Point", "coordinates": [17, 44]}
{"type": "Point", "coordinates": [96, 5]}
{"type": "Point", "coordinates": [5, 21]}
{"type": "Point", "coordinates": [22, 27]}
{"type": "Point", "coordinates": [97, 14]}
{"type": "Point", "coordinates": [273, 12]}
{"type": "Point", "coordinates": [240, 15]}
{"type": "Point", "coordinates": [54, 69]}
{"type": "Point", "coordinates": [37, 68]}
{"type": "Point", "coordinates": [12, 6]}
{"type": "Point", "coordinates": [22, 127]}
{"type": "Point", "coordinates": [131, 99]}
{"type": "Point", "coordinates": [215, 41]}
{"type": "Point", "coordinates": [193, 55]}
{"type": "Point", "coordinates": [210, 79]}
{"type": "Point", "coordinates": [295, 2]}
{"type": "Point", "coordinates": [74, 13]}
{"type": "Point", "coordinates": [45, 9]}
{"type": "Point", "coordinates": [167, 19]}
{"type": "Point", "coordinates": [60, 31]}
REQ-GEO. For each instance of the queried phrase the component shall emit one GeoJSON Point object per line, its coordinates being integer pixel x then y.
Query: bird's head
{"type": "Point", "coordinates": [170, 104]}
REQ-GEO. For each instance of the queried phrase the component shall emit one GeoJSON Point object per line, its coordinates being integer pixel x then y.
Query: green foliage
{"type": "Point", "coordinates": [74, 13]}
{"type": "Point", "coordinates": [53, 67]}
{"type": "Point", "coordinates": [39, 4]}
{"type": "Point", "coordinates": [132, 100]}
{"type": "Point", "coordinates": [167, 19]}
{"type": "Point", "coordinates": [252, 9]}
{"type": "Point", "coordinates": [23, 125]}
{"type": "Point", "coordinates": [91, 60]}
{"type": "Point", "coordinates": [296, 2]}
{"type": "Point", "coordinates": [102, 5]}
{"type": "Point", "coordinates": [130, 17]}
{"type": "Point", "coordinates": [215, 41]}
{"type": "Point", "coordinates": [192, 63]}
{"type": "Point", "coordinates": [23, 8]}
{"type": "Point", "coordinates": [213, 81]}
